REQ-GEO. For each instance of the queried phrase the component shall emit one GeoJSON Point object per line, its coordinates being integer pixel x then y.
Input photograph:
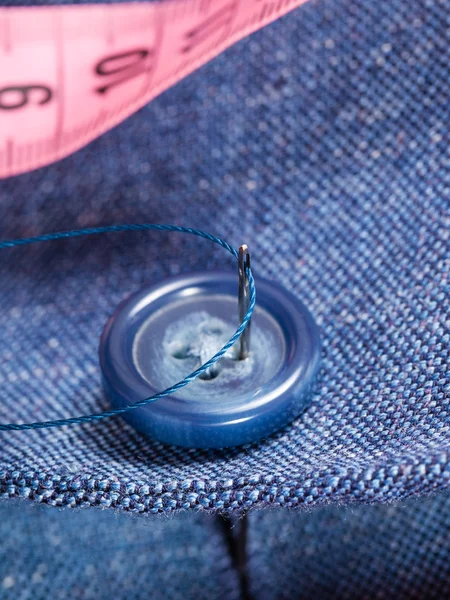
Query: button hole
{"type": "Point", "coordinates": [209, 374]}
{"type": "Point", "coordinates": [181, 352]}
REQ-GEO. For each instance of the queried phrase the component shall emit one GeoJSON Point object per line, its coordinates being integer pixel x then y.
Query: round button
{"type": "Point", "coordinates": [164, 332]}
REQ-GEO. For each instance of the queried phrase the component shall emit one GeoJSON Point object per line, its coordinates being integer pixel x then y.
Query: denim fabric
{"type": "Point", "coordinates": [322, 142]}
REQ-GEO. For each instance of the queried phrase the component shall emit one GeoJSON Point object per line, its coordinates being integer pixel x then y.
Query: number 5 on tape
{"type": "Point", "coordinates": [70, 73]}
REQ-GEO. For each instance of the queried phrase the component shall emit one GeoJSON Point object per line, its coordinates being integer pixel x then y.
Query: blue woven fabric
{"type": "Point", "coordinates": [98, 555]}
{"type": "Point", "coordinates": [326, 151]}
{"type": "Point", "coordinates": [360, 553]}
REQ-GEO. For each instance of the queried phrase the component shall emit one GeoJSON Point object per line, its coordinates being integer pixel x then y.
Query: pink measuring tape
{"type": "Point", "coordinates": [70, 73]}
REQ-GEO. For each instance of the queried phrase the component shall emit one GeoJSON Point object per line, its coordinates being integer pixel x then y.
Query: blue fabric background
{"type": "Point", "coordinates": [322, 142]}
{"type": "Point", "coordinates": [353, 553]}
{"type": "Point", "coordinates": [379, 552]}
{"type": "Point", "coordinates": [99, 555]}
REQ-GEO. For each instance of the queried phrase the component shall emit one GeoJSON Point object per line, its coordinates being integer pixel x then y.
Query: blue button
{"type": "Point", "coordinates": [164, 332]}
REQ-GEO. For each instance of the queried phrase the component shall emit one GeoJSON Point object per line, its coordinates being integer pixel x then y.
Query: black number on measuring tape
{"type": "Point", "coordinates": [17, 96]}
{"type": "Point", "coordinates": [123, 66]}
{"type": "Point", "coordinates": [215, 22]}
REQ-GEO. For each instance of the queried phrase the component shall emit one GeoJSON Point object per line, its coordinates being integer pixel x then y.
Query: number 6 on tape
{"type": "Point", "coordinates": [70, 73]}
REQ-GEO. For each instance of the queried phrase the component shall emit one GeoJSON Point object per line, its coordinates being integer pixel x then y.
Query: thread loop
{"type": "Point", "coordinates": [180, 384]}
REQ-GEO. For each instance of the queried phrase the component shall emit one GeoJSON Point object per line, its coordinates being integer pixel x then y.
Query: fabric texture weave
{"type": "Point", "coordinates": [96, 555]}
{"type": "Point", "coordinates": [322, 142]}
{"type": "Point", "coordinates": [351, 553]}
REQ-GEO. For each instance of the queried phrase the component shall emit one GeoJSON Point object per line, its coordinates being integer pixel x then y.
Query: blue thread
{"type": "Point", "coordinates": [177, 386]}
